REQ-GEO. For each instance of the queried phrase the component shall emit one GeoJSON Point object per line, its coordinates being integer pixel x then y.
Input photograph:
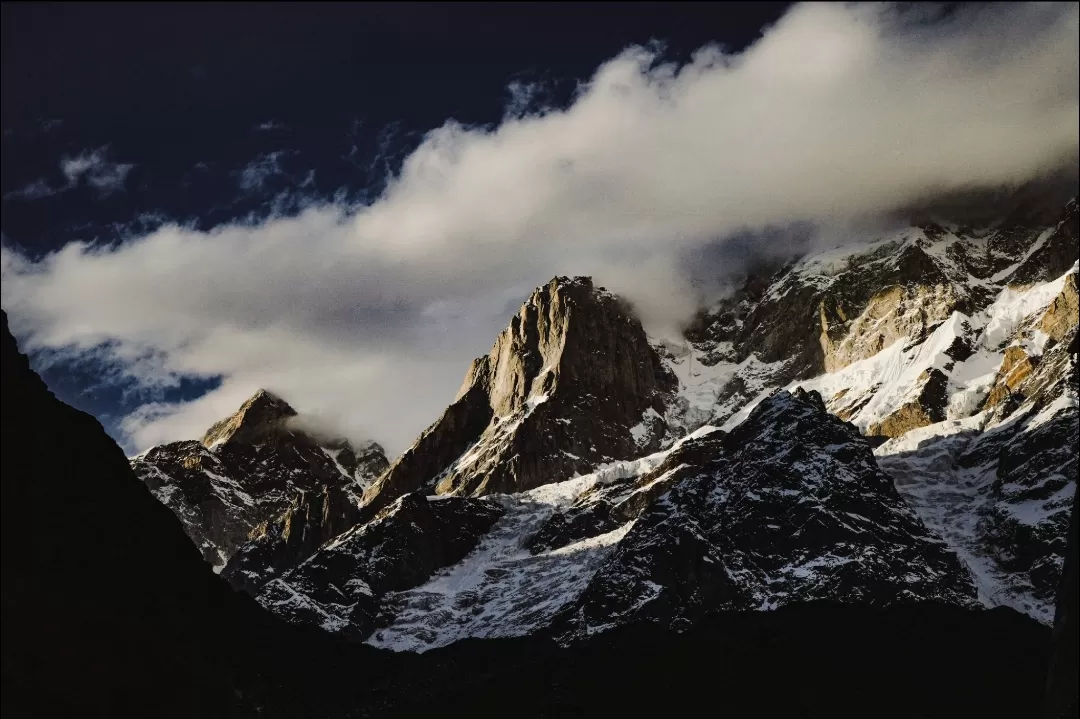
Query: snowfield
{"type": "Point", "coordinates": [502, 589]}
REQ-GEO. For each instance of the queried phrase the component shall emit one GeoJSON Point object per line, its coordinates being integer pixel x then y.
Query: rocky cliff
{"type": "Point", "coordinates": [343, 585]}
{"type": "Point", "coordinates": [571, 383]}
{"type": "Point", "coordinates": [124, 618]}
{"type": "Point", "coordinates": [598, 500]}
{"type": "Point", "coordinates": [788, 507]}
{"type": "Point", "coordinates": [254, 476]}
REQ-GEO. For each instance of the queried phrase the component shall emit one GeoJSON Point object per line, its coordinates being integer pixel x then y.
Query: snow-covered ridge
{"type": "Point", "coordinates": [951, 378]}
{"type": "Point", "coordinates": [889, 378]}
{"type": "Point", "coordinates": [502, 588]}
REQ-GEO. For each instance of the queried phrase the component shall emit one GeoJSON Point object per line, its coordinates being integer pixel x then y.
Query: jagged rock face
{"type": "Point", "coordinates": [997, 485]}
{"type": "Point", "coordinates": [1027, 465]}
{"type": "Point", "coordinates": [927, 407]}
{"type": "Point", "coordinates": [788, 507]}
{"type": "Point", "coordinates": [975, 339]}
{"type": "Point", "coordinates": [1056, 254]}
{"type": "Point", "coordinates": [341, 586]}
{"type": "Point", "coordinates": [1061, 317]}
{"type": "Point", "coordinates": [915, 346]}
{"type": "Point", "coordinates": [832, 309]}
{"type": "Point", "coordinates": [894, 314]}
{"type": "Point", "coordinates": [1034, 471]}
{"type": "Point", "coordinates": [1016, 366]}
{"type": "Point", "coordinates": [803, 318]}
{"type": "Point", "coordinates": [85, 634]}
{"type": "Point", "coordinates": [275, 546]}
{"type": "Point", "coordinates": [261, 417]}
{"type": "Point", "coordinates": [570, 383]}
{"type": "Point", "coordinates": [246, 471]}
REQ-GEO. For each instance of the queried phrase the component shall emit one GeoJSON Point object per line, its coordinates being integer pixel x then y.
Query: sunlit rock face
{"type": "Point", "coordinates": [571, 382]}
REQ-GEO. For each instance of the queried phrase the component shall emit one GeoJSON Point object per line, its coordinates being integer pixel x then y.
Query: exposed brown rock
{"type": "Point", "coordinates": [928, 408]}
{"type": "Point", "coordinates": [262, 415]}
{"type": "Point", "coordinates": [897, 313]}
{"type": "Point", "coordinates": [845, 406]}
{"type": "Point", "coordinates": [1016, 366]}
{"type": "Point", "coordinates": [439, 445]}
{"type": "Point", "coordinates": [558, 393]}
{"type": "Point", "coordinates": [1064, 313]}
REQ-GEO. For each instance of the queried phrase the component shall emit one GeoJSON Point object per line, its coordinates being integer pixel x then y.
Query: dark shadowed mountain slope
{"type": "Point", "coordinates": [107, 604]}
{"type": "Point", "coordinates": [1063, 684]}
{"type": "Point", "coordinates": [108, 608]}
{"type": "Point", "coordinates": [809, 660]}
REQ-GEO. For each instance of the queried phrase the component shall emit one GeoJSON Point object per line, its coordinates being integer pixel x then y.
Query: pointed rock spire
{"type": "Point", "coordinates": [558, 393]}
{"type": "Point", "coordinates": [261, 415]}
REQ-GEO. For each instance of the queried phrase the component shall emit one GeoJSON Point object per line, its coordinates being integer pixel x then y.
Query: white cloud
{"type": "Point", "coordinates": [99, 172]}
{"type": "Point", "coordinates": [36, 190]}
{"type": "Point", "coordinates": [270, 126]}
{"type": "Point", "coordinates": [369, 315]}
{"type": "Point", "coordinates": [93, 166]}
{"type": "Point", "coordinates": [254, 176]}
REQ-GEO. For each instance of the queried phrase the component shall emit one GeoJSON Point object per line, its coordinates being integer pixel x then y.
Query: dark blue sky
{"type": "Point", "coordinates": [167, 86]}
{"type": "Point", "coordinates": [343, 92]}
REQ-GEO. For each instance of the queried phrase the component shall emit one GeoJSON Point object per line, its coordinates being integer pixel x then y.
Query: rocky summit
{"type": "Point", "coordinates": [571, 383]}
{"type": "Point", "coordinates": [256, 476]}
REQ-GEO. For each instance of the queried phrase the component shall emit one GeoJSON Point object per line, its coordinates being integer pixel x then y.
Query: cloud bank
{"type": "Point", "coordinates": [367, 316]}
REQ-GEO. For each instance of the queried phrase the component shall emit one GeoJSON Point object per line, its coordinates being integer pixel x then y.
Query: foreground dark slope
{"type": "Point", "coordinates": [808, 660]}
{"type": "Point", "coordinates": [1062, 690]}
{"type": "Point", "coordinates": [108, 607]}
{"type": "Point", "coordinates": [108, 610]}
{"type": "Point", "coordinates": [105, 604]}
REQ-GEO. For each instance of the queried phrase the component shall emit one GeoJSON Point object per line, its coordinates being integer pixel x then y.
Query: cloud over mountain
{"type": "Point", "coordinates": [369, 314]}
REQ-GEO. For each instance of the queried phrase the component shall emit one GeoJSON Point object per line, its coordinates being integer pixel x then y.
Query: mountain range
{"type": "Point", "coordinates": [887, 421]}
{"type": "Point", "coordinates": [866, 451]}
